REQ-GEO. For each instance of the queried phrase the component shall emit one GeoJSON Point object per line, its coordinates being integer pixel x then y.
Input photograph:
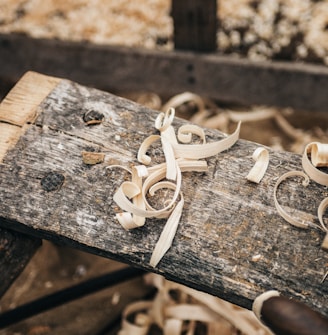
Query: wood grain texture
{"type": "Point", "coordinates": [15, 252]}
{"type": "Point", "coordinates": [225, 78]}
{"type": "Point", "coordinates": [231, 242]}
{"type": "Point", "coordinates": [19, 108]}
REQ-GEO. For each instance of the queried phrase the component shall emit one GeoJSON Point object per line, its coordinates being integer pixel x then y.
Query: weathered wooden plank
{"type": "Point", "coordinates": [120, 69]}
{"type": "Point", "coordinates": [15, 252]}
{"type": "Point", "coordinates": [230, 242]}
{"type": "Point", "coordinates": [195, 24]}
{"type": "Point", "coordinates": [19, 108]}
{"type": "Point", "coordinates": [16, 111]}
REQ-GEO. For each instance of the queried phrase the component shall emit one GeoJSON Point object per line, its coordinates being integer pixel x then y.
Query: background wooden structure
{"type": "Point", "coordinates": [231, 242]}
{"type": "Point", "coordinates": [195, 25]}
{"type": "Point", "coordinates": [115, 69]}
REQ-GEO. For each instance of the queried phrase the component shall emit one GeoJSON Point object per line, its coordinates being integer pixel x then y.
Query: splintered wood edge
{"type": "Point", "coordinates": [20, 107]}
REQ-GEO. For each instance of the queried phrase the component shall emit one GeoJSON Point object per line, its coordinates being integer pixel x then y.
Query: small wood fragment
{"type": "Point", "coordinates": [92, 158]}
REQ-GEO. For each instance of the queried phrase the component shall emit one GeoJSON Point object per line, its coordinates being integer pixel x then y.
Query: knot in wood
{"type": "Point", "coordinates": [93, 117]}
{"type": "Point", "coordinates": [52, 181]}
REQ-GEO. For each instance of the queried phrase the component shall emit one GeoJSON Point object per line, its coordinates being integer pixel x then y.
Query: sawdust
{"type": "Point", "coordinates": [257, 29]}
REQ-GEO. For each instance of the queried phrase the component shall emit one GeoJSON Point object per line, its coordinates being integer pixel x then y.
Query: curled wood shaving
{"type": "Point", "coordinates": [199, 151]}
{"type": "Point", "coordinates": [179, 316]}
{"type": "Point", "coordinates": [255, 115]}
{"type": "Point", "coordinates": [319, 154]}
{"type": "Point", "coordinates": [183, 98]}
{"type": "Point", "coordinates": [131, 196]}
{"type": "Point", "coordinates": [142, 321]}
{"type": "Point", "coordinates": [321, 210]}
{"type": "Point", "coordinates": [319, 157]}
{"type": "Point", "coordinates": [290, 219]}
{"type": "Point", "coordinates": [261, 158]}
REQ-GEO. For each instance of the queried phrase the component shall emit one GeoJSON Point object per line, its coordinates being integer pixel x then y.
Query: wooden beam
{"type": "Point", "coordinates": [195, 24]}
{"type": "Point", "coordinates": [16, 250]}
{"type": "Point", "coordinates": [123, 69]}
{"type": "Point", "coordinates": [16, 111]}
{"type": "Point", "coordinates": [231, 242]}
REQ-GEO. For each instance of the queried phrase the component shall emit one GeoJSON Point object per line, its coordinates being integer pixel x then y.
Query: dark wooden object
{"type": "Point", "coordinates": [15, 249]}
{"type": "Point", "coordinates": [15, 252]}
{"type": "Point", "coordinates": [195, 24]}
{"type": "Point", "coordinates": [231, 242]}
{"type": "Point", "coordinates": [119, 69]}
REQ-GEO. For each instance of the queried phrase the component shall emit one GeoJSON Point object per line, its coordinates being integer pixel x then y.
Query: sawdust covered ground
{"type": "Point", "coordinates": [292, 30]}
{"type": "Point", "coordinates": [257, 29]}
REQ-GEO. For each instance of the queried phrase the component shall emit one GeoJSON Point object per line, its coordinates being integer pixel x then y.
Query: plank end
{"type": "Point", "coordinates": [20, 107]}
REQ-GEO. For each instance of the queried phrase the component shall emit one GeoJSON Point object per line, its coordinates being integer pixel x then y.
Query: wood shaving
{"type": "Point", "coordinates": [289, 218]}
{"type": "Point", "coordinates": [180, 315]}
{"type": "Point", "coordinates": [319, 157]}
{"type": "Point", "coordinates": [261, 158]}
{"type": "Point", "coordinates": [321, 210]}
{"type": "Point", "coordinates": [132, 195]}
{"type": "Point", "coordinates": [208, 114]}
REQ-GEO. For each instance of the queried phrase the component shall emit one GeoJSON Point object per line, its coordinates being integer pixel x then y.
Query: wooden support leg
{"type": "Point", "coordinates": [15, 252]}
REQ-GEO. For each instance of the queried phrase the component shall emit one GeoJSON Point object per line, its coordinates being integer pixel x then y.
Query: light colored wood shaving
{"type": "Point", "coordinates": [179, 315]}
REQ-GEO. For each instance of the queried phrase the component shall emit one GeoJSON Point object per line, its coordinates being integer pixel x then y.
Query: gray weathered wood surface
{"type": "Point", "coordinates": [231, 242]}
{"type": "Point", "coordinates": [226, 78]}
{"type": "Point", "coordinates": [16, 251]}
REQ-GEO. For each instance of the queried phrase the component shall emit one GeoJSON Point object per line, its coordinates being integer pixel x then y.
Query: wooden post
{"type": "Point", "coordinates": [195, 24]}
{"type": "Point", "coordinates": [231, 242]}
{"type": "Point", "coordinates": [16, 251]}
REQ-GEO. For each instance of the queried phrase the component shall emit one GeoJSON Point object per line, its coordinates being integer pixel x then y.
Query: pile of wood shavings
{"type": "Point", "coordinates": [121, 22]}
{"type": "Point", "coordinates": [257, 29]}
{"type": "Point", "coordinates": [177, 309]}
{"type": "Point", "coordinates": [280, 129]}
{"type": "Point", "coordinates": [275, 29]}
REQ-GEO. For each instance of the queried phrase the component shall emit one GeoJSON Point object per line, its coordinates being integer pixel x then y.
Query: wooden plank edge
{"type": "Point", "coordinates": [117, 68]}
{"type": "Point", "coordinates": [20, 106]}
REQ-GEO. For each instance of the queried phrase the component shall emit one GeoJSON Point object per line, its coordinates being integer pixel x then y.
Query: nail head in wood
{"type": "Point", "coordinates": [93, 117]}
{"type": "Point", "coordinates": [52, 181]}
